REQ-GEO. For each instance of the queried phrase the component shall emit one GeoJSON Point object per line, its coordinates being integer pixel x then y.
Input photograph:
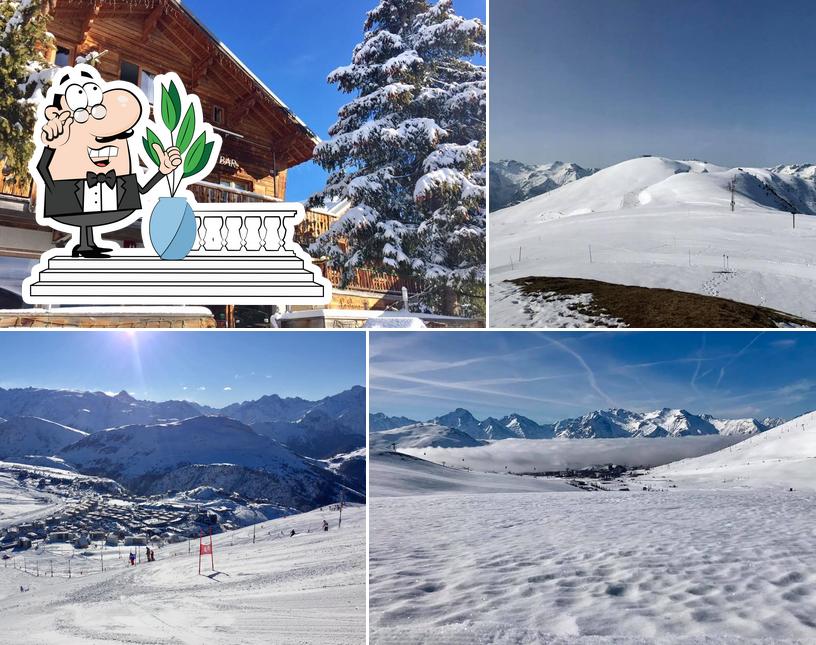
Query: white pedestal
{"type": "Point", "coordinates": [137, 277]}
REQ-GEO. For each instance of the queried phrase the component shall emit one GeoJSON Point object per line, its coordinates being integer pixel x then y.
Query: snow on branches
{"type": "Point", "coordinates": [24, 75]}
{"type": "Point", "coordinates": [408, 152]}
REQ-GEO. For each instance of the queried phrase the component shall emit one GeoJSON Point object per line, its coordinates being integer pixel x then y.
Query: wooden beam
{"type": "Point", "coordinates": [93, 12]}
{"type": "Point", "coordinates": [203, 67]}
{"type": "Point", "coordinates": [244, 105]}
{"type": "Point", "coordinates": [151, 21]}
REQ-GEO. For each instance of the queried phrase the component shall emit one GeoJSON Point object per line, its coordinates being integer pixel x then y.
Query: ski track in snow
{"type": "Point", "coordinates": [306, 589]}
{"type": "Point", "coordinates": [640, 567]}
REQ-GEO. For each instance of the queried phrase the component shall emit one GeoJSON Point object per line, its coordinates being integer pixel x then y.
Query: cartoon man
{"type": "Point", "coordinates": [86, 163]}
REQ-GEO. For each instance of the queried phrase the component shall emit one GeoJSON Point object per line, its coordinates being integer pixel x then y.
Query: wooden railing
{"type": "Point", "coordinates": [370, 280]}
{"type": "Point", "coordinates": [312, 227]}
{"type": "Point", "coordinates": [205, 191]}
{"type": "Point", "coordinates": [17, 189]}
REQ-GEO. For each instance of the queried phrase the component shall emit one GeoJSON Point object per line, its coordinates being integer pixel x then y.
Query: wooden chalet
{"type": "Point", "coordinates": [262, 138]}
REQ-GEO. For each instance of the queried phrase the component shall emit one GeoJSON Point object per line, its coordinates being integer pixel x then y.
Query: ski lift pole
{"type": "Point", "coordinates": [342, 499]}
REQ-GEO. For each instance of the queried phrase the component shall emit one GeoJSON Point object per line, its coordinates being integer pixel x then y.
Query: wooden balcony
{"type": "Point", "coordinates": [208, 192]}
{"type": "Point", "coordinates": [370, 280]}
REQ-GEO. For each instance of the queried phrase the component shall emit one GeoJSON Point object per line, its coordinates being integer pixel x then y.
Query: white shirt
{"type": "Point", "coordinates": [99, 198]}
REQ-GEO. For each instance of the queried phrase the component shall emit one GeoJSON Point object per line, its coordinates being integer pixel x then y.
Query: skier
{"type": "Point", "coordinates": [292, 534]}
{"type": "Point", "coordinates": [132, 559]}
{"type": "Point", "coordinates": [325, 525]}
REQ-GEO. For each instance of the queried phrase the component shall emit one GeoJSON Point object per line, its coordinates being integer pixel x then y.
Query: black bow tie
{"type": "Point", "coordinates": [94, 178]}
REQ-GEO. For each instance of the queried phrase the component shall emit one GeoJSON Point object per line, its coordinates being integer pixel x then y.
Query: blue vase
{"type": "Point", "coordinates": [172, 228]}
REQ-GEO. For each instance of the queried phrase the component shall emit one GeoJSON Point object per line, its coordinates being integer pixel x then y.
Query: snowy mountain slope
{"type": "Point", "coordinates": [420, 435]}
{"type": "Point", "coordinates": [22, 436]}
{"type": "Point", "coordinates": [609, 189]}
{"type": "Point", "coordinates": [515, 426]}
{"type": "Point", "coordinates": [307, 589]}
{"type": "Point", "coordinates": [347, 406]}
{"type": "Point", "coordinates": [398, 475]}
{"type": "Point", "coordinates": [302, 490]}
{"type": "Point", "coordinates": [463, 421]}
{"type": "Point", "coordinates": [213, 451]}
{"type": "Point", "coordinates": [512, 182]}
{"type": "Point", "coordinates": [351, 466]}
{"type": "Point", "coordinates": [659, 423]}
{"type": "Point", "coordinates": [90, 411]}
{"type": "Point", "coordinates": [782, 457]}
{"type": "Point", "coordinates": [378, 421]}
{"type": "Point", "coordinates": [94, 411]}
{"type": "Point", "coordinates": [316, 434]}
{"type": "Point", "coordinates": [656, 222]}
{"type": "Point", "coordinates": [132, 451]}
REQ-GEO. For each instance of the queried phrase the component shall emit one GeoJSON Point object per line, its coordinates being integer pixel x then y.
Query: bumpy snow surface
{"type": "Point", "coordinates": [718, 550]}
{"type": "Point", "coordinates": [645, 567]}
{"type": "Point", "coordinates": [309, 588]}
{"type": "Point", "coordinates": [656, 222]}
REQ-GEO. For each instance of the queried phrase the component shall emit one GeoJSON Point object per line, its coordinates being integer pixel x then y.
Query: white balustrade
{"type": "Point", "coordinates": [237, 230]}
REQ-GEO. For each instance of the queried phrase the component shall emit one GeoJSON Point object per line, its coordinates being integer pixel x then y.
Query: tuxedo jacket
{"type": "Point", "coordinates": [66, 196]}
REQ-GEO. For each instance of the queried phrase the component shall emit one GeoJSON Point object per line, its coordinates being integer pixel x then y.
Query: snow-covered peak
{"type": "Point", "coordinates": [512, 182]}
{"type": "Point", "coordinates": [421, 435]}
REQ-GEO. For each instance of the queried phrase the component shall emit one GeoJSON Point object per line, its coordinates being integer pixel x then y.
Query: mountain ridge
{"type": "Point", "coordinates": [610, 423]}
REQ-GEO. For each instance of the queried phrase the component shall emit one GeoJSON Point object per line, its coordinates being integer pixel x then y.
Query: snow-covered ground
{"type": "Point", "coordinates": [20, 502]}
{"type": "Point", "coordinates": [511, 307]}
{"type": "Point", "coordinates": [309, 588]}
{"type": "Point", "coordinates": [718, 550]}
{"type": "Point", "coordinates": [656, 222]}
{"type": "Point", "coordinates": [647, 567]}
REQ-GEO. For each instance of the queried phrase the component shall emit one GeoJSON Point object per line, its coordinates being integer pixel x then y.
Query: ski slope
{"type": "Point", "coordinates": [398, 475]}
{"type": "Point", "coordinates": [781, 458]}
{"type": "Point", "coordinates": [655, 222]}
{"type": "Point", "coordinates": [309, 588]}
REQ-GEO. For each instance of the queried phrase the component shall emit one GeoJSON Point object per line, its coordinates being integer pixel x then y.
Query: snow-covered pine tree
{"type": "Point", "coordinates": [24, 76]}
{"type": "Point", "coordinates": [408, 152]}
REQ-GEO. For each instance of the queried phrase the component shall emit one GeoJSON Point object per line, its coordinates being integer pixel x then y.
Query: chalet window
{"type": "Point", "coordinates": [129, 72]}
{"type": "Point", "coordinates": [63, 57]}
{"type": "Point", "coordinates": [146, 83]}
{"type": "Point", "coordinates": [239, 184]}
{"type": "Point", "coordinates": [218, 115]}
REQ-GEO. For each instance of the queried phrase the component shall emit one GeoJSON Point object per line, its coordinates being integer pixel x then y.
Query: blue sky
{"type": "Point", "coordinates": [550, 375]}
{"type": "Point", "coordinates": [210, 367]}
{"type": "Point", "coordinates": [292, 47]}
{"type": "Point", "coordinates": [728, 81]}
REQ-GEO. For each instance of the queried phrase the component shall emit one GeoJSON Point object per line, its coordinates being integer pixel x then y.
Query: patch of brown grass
{"type": "Point", "coordinates": [646, 307]}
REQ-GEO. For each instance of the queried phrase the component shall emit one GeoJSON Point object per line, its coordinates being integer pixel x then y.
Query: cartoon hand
{"type": "Point", "coordinates": [57, 131]}
{"type": "Point", "coordinates": [169, 159]}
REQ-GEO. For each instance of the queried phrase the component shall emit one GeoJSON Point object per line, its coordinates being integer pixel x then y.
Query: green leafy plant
{"type": "Point", "coordinates": [195, 151]}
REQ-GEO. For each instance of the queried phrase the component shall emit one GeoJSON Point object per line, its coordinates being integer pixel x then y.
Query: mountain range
{"type": "Point", "coordinates": [512, 182]}
{"type": "Point", "coordinates": [609, 424]}
{"type": "Point", "coordinates": [268, 448]}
